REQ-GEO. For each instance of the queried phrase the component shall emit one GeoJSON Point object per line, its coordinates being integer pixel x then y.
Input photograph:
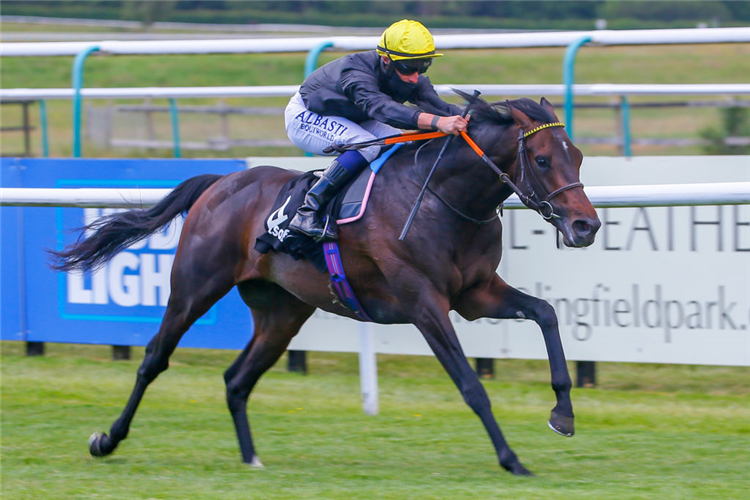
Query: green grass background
{"type": "Point", "coordinates": [722, 63]}
{"type": "Point", "coordinates": [647, 431]}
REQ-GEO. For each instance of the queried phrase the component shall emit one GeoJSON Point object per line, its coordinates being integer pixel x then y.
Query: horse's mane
{"type": "Point", "coordinates": [498, 112]}
{"type": "Point", "coordinates": [492, 113]}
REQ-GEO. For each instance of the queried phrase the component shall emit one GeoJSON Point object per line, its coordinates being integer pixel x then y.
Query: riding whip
{"type": "Point", "coordinates": [417, 203]}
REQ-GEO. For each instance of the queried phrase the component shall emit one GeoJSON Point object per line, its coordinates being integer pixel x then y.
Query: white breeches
{"type": "Point", "coordinates": [312, 132]}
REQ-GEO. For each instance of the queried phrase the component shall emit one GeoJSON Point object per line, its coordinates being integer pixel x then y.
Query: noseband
{"type": "Point", "coordinates": [528, 187]}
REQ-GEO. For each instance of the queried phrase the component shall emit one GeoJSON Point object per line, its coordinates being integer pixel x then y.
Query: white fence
{"type": "Point", "coordinates": [659, 195]}
{"type": "Point", "coordinates": [352, 43]}
{"type": "Point", "coordinates": [597, 89]}
{"type": "Point", "coordinates": [446, 90]}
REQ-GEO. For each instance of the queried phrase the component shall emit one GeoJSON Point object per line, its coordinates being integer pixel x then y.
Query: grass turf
{"type": "Point", "coordinates": [648, 431]}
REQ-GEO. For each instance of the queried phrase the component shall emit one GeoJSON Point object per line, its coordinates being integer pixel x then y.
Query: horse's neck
{"type": "Point", "coordinates": [465, 182]}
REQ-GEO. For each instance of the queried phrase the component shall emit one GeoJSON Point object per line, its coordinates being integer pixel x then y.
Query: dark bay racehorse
{"type": "Point", "coordinates": [448, 260]}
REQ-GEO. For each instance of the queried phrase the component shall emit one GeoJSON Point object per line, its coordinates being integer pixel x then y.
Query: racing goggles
{"type": "Point", "coordinates": [409, 67]}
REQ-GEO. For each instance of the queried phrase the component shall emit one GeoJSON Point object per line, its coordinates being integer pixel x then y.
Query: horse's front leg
{"type": "Point", "coordinates": [497, 299]}
{"type": "Point", "coordinates": [433, 321]}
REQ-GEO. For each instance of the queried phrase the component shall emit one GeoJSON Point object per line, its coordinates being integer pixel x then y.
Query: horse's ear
{"type": "Point", "coordinates": [546, 105]}
{"type": "Point", "coordinates": [519, 117]}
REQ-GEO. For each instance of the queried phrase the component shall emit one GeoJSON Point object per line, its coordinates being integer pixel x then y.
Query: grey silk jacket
{"type": "Point", "coordinates": [358, 87]}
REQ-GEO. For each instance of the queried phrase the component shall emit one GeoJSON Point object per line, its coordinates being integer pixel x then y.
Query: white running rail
{"type": "Point", "coordinates": [355, 43]}
{"type": "Point", "coordinates": [658, 195]}
{"type": "Point", "coordinates": [289, 90]}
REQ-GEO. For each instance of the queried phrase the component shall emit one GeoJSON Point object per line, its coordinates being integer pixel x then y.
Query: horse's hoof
{"type": "Point", "coordinates": [95, 444]}
{"type": "Point", "coordinates": [565, 426]}
{"type": "Point", "coordinates": [518, 470]}
{"type": "Point", "coordinates": [255, 463]}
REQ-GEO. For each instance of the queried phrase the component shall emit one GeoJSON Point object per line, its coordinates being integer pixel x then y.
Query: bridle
{"type": "Point", "coordinates": [526, 177]}
{"type": "Point", "coordinates": [527, 185]}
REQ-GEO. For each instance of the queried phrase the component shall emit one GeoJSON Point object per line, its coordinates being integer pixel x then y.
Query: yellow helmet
{"type": "Point", "coordinates": [407, 39]}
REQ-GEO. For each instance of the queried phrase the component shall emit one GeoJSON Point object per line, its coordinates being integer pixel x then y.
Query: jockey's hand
{"type": "Point", "coordinates": [452, 124]}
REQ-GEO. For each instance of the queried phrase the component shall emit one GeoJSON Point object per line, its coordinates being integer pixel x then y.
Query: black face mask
{"type": "Point", "coordinates": [400, 90]}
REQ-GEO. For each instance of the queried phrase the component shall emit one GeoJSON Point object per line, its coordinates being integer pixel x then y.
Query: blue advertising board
{"type": "Point", "coordinates": [120, 304]}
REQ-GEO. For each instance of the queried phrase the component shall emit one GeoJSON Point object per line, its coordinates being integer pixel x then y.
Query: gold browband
{"type": "Point", "coordinates": [542, 127]}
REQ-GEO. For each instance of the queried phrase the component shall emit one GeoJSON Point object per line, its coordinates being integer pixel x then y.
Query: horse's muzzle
{"type": "Point", "coordinates": [583, 232]}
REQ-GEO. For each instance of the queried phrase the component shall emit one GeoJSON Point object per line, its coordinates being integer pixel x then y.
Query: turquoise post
{"type": "Point", "coordinates": [43, 122]}
{"type": "Point", "coordinates": [78, 62]}
{"type": "Point", "coordinates": [175, 127]}
{"type": "Point", "coordinates": [311, 62]}
{"type": "Point", "coordinates": [569, 78]}
{"type": "Point", "coordinates": [625, 107]}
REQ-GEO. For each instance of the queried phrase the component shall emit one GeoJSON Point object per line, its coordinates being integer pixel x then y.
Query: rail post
{"type": "Point", "coordinates": [586, 374]}
{"type": "Point", "coordinates": [43, 124]}
{"type": "Point", "coordinates": [34, 348]}
{"type": "Point", "coordinates": [26, 128]}
{"type": "Point", "coordinates": [569, 78]}
{"type": "Point", "coordinates": [297, 361]}
{"type": "Point", "coordinates": [485, 367]}
{"type": "Point", "coordinates": [120, 352]}
{"type": "Point", "coordinates": [175, 127]}
{"type": "Point", "coordinates": [625, 124]}
{"type": "Point", "coordinates": [311, 62]}
{"type": "Point", "coordinates": [368, 370]}
{"type": "Point", "coordinates": [78, 63]}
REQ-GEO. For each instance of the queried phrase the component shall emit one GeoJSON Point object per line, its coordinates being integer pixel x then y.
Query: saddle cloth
{"type": "Point", "coordinates": [347, 206]}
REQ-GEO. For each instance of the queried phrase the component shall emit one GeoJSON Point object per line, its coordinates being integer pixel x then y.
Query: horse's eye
{"type": "Point", "coordinates": [542, 161]}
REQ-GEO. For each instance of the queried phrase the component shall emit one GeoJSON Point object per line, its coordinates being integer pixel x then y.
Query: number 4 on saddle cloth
{"type": "Point", "coordinates": [346, 207]}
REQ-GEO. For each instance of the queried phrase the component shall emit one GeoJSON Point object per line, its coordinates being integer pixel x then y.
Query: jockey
{"type": "Point", "coordinates": [360, 97]}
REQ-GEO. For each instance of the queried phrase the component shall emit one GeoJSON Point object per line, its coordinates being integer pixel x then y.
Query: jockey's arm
{"type": "Point", "coordinates": [446, 124]}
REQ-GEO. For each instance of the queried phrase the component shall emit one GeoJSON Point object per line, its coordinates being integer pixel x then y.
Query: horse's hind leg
{"type": "Point", "coordinates": [497, 299]}
{"type": "Point", "coordinates": [278, 316]}
{"type": "Point", "coordinates": [191, 297]}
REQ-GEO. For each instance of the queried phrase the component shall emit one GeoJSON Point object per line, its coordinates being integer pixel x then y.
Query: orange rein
{"type": "Point", "coordinates": [422, 136]}
{"type": "Point", "coordinates": [413, 136]}
{"type": "Point", "coordinates": [471, 143]}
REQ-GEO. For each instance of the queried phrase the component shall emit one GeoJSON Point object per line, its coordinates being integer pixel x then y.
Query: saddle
{"type": "Point", "coordinates": [346, 207]}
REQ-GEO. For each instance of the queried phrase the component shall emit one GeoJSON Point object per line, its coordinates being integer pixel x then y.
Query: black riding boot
{"type": "Point", "coordinates": [308, 220]}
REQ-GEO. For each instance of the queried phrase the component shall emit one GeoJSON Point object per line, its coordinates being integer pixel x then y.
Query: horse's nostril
{"type": "Point", "coordinates": [586, 228]}
{"type": "Point", "coordinates": [582, 227]}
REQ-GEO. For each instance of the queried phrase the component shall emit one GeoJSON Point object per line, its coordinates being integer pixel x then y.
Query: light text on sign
{"type": "Point", "coordinates": [137, 276]}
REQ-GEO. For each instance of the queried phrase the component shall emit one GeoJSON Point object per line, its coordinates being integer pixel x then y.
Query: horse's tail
{"type": "Point", "coordinates": [113, 233]}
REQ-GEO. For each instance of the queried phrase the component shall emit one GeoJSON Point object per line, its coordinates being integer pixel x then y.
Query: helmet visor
{"type": "Point", "coordinates": [408, 67]}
